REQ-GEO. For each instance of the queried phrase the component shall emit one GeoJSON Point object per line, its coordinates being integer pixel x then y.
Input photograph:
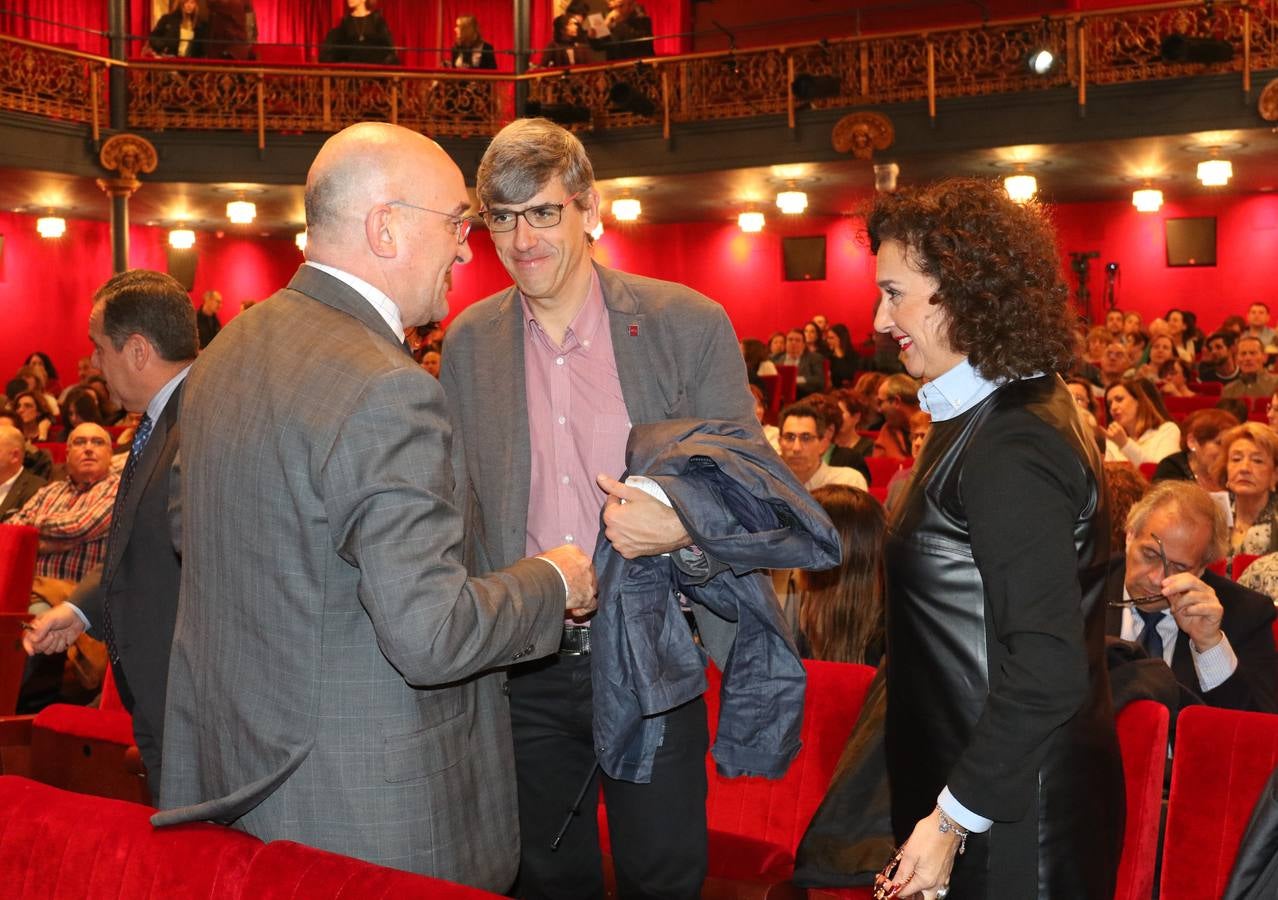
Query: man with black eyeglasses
{"type": "Point", "coordinates": [1215, 635]}
{"type": "Point", "coordinates": [544, 381]}
{"type": "Point", "coordinates": [804, 439]}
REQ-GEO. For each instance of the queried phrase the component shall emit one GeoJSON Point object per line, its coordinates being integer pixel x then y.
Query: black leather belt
{"type": "Point", "coordinates": [575, 641]}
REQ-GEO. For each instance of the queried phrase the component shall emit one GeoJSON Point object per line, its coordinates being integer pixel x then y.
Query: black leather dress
{"type": "Point", "coordinates": [997, 562]}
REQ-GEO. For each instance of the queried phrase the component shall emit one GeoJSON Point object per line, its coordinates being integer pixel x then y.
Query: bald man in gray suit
{"type": "Point", "coordinates": [331, 680]}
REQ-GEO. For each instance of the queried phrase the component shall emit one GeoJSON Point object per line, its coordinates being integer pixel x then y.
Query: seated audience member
{"type": "Point", "coordinates": [1094, 345]}
{"type": "Point", "coordinates": [73, 516]}
{"type": "Point", "coordinates": [1218, 362]}
{"type": "Point", "coordinates": [756, 360]}
{"type": "Point", "coordinates": [805, 436]}
{"type": "Point", "coordinates": [1262, 576]}
{"type": "Point", "coordinates": [1140, 431]}
{"type": "Point", "coordinates": [568, 47]}
{"type": "Point", "coordinates": [81, 407]}
{"type": "Point", "coordinates": [1133, 323]}
{"type": "Point", "coordinates": [1248, 469]}
{"type": "Point", "coordinates": [855, 410]}
{"type": "Point", "coordinates": [33, 419]}
{"type": "Point", "coordinates": [362, 36]}
{"type": "Point", "coordinates": [1114, 363]}
{"type": "Point", "coordinates": [1137, 345]}
{"type": "Point", "coordinates": [1252, 380]}
{"type": "Point", "coordinates": [42, 365]}
{"type": "Point", "coordinates": [898, 398]}
{"type": "Point", "coordinates": [814, 339]}
{"type": "Point", "coordinates": [836, 455]}
{"type": "Point", "coordinates": [1258, 325]}
{"type": "Point", "coordinates": [1235, 406]}
{"type": "Point", "coordinates": [867, 388]}
{"type": "Point", "coordinates": [1215, 635]}
{"type": "Point", "coordinates": [1235, 323]}
{"type": "Point", "coordinates": [1173, 378]}
{"type": "Point", "coordinates": [920, 425]}
{"type": "Point", "coordinates": [1161, 349]}
{"type": "Point", "coordinates": [111, 412]}
{"type": "Point", "coordinates": [840, 611]}
{"type": "Point", "coordinates": [34, 378]}
{"type": "Point", "coordinates": [1085, 400]}
{"type": "Point", "coordinates": [17, 483]}
{"type": "Point", "coordinates": [1200, 449]}
{"type": "Point", "coordinates": [35, 460]}
{"type": "Point", "coordinates": [1182, 327]}
{"type": "Point", "coordinates": [430, 362]}
{"type": "Point", "coordinates": [207, 324]}
{"type": "Point", "coordinates": [85, 370]}
{"type": "Point", "coordinates": [776, 345]}
{"type": "Point", "coordinates": [470, 50]}
{"type": "Point", "coordinates": [628, 32]}
{"type": "Point", "coordinates": [1271, 412]}
{"type": "Point", "coordinates": [232, 29]}
{"type": "Point", "coordinates": [844, 362]}
{"type": "Point", "coordinates": [811, 366]}
{"type": "Point", "coordinates": [1124, 485]}
{"type": "Point", "coordinates": [1114, 321]}
{"type": "Point", "coordinates": [771, 432]}
{"type": "Point", "coordinates": [180, 32]}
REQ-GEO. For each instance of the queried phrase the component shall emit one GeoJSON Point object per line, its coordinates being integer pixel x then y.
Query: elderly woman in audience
{"type": "Point", "coordinates": [839, 611]}
{"type": "Point", "coordinates": [1248, 468]}
{"type": "Point", "coordinates": [1003, 763]}
{"type": "Point", "coordinates": [1200, 449]}
{"type": "Point", "coordinates": [1138, 429]}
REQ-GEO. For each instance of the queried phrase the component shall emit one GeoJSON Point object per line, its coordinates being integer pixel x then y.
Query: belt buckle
{"type": "Point", "coordinates": [575, 641]}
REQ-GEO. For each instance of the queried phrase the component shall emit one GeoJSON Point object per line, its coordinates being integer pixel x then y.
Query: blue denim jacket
{"type": "Point", "coordinates": [746, 511]}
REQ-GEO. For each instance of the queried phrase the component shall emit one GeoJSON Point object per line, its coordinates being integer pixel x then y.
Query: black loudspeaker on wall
{"type": "Point", "coordinates": [182, 266]}
{"type": "Point", "coordinates": [803, 258]}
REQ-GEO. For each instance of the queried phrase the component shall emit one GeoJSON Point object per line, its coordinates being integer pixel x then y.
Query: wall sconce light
{"type": "Point", "coordinates": [1147, 200]}
{"type": "Point", "coordinates": [300, 240]}
{"type": "Point", "coordinates": [51, 226]}
{"type": "Point", "coordinates": [1021, 187]}
{"type": "Point", "coordinates": [751, 222]}
{"type": "Point", "coordinates": [626, 209]}
{"type": "Point", "coordinates": [1215, 172]}
{"type": "Point", "coordinates": [241, 212]}
{"type": "Point", "coordinates": [181, 239]}
{"type": "Point", "coordinates": [792, 202]}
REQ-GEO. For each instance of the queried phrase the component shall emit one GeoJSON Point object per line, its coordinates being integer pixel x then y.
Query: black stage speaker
{"type": "Point", "coordinates": [182, 266]}
{"type": "Point", "coordinates": [803, 258]}
{"type": "Point", "coordinates": [1191, 242]}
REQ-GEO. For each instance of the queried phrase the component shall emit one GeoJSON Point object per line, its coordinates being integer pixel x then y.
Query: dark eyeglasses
{"type": "Point", "coordinates": [1168, 568]}
{"type": "Point", "coordinates": [545, 215]}
{"type": "Point", "coordinates": [460, 225]}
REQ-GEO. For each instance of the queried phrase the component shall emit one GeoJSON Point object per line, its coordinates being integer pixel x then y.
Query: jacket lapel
{"type": "Point", "coordinates": [510, 422]}
{"type": "Point", "coordinates": [637, 370]}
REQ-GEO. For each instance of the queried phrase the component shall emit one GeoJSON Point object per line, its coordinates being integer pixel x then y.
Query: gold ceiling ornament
{"type": "Point", "coordinates": [861, 133]}
{"type": "Point", "coordinates": [1269, 102]}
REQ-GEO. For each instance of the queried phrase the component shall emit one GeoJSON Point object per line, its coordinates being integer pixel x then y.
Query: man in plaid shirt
{"type": "Point", "coordinates": [74, 516]}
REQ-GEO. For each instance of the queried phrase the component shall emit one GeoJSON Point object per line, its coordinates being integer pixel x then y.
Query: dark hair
{"type": "Point", "coordinates": [50, 369]}
{"type": "Point", "coordinates": [1235, 406]}
{"type": "Point", "coordinates": [806, 410]}
{"type": "Point", "coordinates": [753, 352]}
{"type": "Point", "coordinates": [845, 338]}
{"type": "Point", "coordinates": [841, 609]}
{"type": "Point", "coordinates": [1155, 398]}
{"type": "Point", "coordinates": [82, 406]}
{"type": "Point", "coordinates": [1124, 485]}
{"type": "Point", "coordinates": [1205, 425]}
{"type": "Point", "coordinates": [153, 305]}
{"type": "Point", "coordinates": [1227, 336]}
{"type": "Point", "coordinates": [997, 269]}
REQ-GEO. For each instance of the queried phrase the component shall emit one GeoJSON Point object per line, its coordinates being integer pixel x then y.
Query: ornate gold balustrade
{"type": "Point", "coordinates": [1108, 47]}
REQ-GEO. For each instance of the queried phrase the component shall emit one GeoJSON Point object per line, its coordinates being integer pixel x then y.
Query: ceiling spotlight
{"type": "Point", "coordinates": [51, 226]}
{"type": "Point", "coordinates": [1040, 61]}
{"type": "Point", "coordinates": [792, 202]}
{"type": "Point", "coordinates": [626, 209]}
{"type": "Point", "coordinates": [750, 222]}
{"type": "Point", "coordinates": [1215, 172]}
{"type": "Point", "coordinates": [1021, 188]}
{"type": "Point", "coordinates": [1147, 200]}
{"type": "Point", "coordinates": [598, 231]}
{"type": "Point", "coordinates": [300, 240]}
{"type": "Point", "coordinates": [241, 212]}
{"type": "Point", "coordinates": [181, 239]}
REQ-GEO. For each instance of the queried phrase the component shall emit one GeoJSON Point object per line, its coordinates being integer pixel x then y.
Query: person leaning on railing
{"type": "Point", "coordinates": [362, 36]}
{"type": "Point", "coordinates": [180, 32]}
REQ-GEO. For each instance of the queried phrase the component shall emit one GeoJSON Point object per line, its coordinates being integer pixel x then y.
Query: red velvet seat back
{"type": "Point", "coordinates": [18, 545]}
{"type": "Point", "coordinates": [773, 815]}
{"type": "Point", "coordinates": [1222, 761]}
{"type": "Point", "coordinates": [284, 870]}
{"type": "Point", "coordinates": [1142, 737]}
{"type": "Point", "coordinates": [882, 469]}
{"type": "Point", "coordinates": [55, 843]}
{"type": "Point", "coordinates": [787, 386]}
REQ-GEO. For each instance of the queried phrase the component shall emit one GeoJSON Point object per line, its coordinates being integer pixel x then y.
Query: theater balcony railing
{"type": "Point", "coordinates": [1100, 48]}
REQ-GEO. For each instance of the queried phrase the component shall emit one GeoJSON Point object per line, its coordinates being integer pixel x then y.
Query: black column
{"type": "Point", "coordinates": [119, 233]}
{"type": "Point", "coordinates": [523, 53]}
{"type": "Point", "coordinates": [118, 26]}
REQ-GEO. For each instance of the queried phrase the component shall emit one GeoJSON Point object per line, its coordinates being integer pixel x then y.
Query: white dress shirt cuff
{"type": "Point", "coordinates": [959, 813]}
{"type": "Point", "coordinates": [83, 618]}
{"type": "Point", "coordinates": [562, 576]}
{"type": "Point", "coordinates": [1214, 665]}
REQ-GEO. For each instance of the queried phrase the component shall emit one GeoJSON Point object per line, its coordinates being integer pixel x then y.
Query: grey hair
{"type": "Point", "coordinates": [525, 156]}
{"type": "Point", "coordinates": [1191, 502]}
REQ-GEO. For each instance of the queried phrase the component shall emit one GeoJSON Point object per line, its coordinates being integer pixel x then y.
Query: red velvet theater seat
{"type": "Point", "coordinates": [1223, 759]}
{"type": "Point", "coordinates": [1142, 737]}
{"type": "Point", "coordinates": [18, 545]}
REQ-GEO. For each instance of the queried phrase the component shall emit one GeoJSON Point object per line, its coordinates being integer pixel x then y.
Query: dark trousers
{"type": "Point", "coordinates": [657, 830]}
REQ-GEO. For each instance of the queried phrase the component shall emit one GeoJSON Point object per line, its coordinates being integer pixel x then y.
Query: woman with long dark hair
{"type": "Point", "coordinates": [1003, 762]}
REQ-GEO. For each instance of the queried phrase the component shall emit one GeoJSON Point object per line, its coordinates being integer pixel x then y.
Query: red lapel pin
{"type": "Point", "coordinates": [634, 329]}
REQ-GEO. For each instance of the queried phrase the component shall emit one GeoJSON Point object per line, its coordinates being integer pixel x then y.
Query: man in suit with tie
{"type": "Point", "coordinates": [336, 675]}
{"type": "Point", "coordinates": [17, 484]}
{"type": "Point", "coordinates": [1216, 635]}
{"type": "Point", "coordinates": [142, 326]}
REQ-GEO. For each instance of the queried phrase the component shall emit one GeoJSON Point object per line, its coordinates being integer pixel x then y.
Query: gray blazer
{"type": "Point", "coordinates": [677, 357]}
{"type": "Point", "coordinates": [23, 490]}
{"type": "Point", "coordinates": [323, 592]}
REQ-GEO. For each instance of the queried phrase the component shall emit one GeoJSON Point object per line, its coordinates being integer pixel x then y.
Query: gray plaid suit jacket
{"type": "Point", "coordinates": [323, 592]}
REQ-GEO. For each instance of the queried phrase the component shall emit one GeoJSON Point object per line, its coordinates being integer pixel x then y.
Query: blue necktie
{"type": "Point", "coordinates": [140, 437]}
{"type": "Point", "coordinates": [1150, 639]}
